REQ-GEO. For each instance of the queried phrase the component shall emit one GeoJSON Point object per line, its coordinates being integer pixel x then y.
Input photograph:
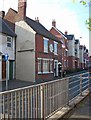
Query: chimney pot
{"type": "Point", "coordinates": [2, 14]}
{"type": "Point", "coordinates": [37, 19]}
{"type": "Point", "coordinates": [66, 32]}
{"type": "Point", "coordinates": [54, 23]}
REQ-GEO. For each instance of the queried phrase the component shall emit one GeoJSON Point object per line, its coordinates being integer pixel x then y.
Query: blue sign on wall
{"type": "Point", "coordinates": [6, 57]}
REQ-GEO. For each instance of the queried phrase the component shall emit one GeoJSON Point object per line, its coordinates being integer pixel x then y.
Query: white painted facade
{"type": "Point", "coordinates": [9, 50]}
{"type": "Point", "coordinates": [77, 48]}
{"type": "Point", "coordinates": [81, 55]}
{"type": "Point", "coordinates": [71, 47]}
{"type": "Point", "coordinates": [25, 52]}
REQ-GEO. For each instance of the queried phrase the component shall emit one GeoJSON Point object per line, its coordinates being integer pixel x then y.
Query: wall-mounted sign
{"type": "Point", "coordinates": [6, 57]}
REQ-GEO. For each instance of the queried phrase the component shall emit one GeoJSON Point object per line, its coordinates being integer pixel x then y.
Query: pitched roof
{"type": "Point", "coordinates": [40, 29]}
{"type": "Point", "coordinates": [5, 28]}
{"type": "Point", "coordinates": [0, 53]}
{"type": "Point", "coordinates": [70, 37]}
{"type": "Point", "coordinates": [61, 33]}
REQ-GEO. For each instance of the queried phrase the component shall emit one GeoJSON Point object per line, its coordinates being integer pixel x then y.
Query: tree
{"type": "Point", "coordinates": [87, 3]}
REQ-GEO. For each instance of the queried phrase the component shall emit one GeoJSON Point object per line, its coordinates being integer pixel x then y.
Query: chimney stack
{"type": "Point", "coordinates": [54, 23]}
{"type": "Point", "coordinates": [66, 32]}
{"type": "Point", "coordinates": [22, 9]}
{"type": "Point", "coordinates": [2, 14]}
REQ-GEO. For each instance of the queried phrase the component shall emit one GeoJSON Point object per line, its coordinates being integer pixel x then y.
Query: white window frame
{"type": "Point", "coordinates": [39, 72]}
{"type": "Point", "coordinates": [51, 66]}
{"type": "Point", "coordinates": [46, 66]}
{"type": "Point", "coordinates": [9, 42]}
{"type": "Point", "coordinates": [45, 48]}
{"type": "Point", "coordinates": [56, 51]}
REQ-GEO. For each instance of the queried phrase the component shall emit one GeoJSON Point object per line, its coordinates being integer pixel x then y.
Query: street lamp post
{"type": "Point", "coordinates": [6, 59]}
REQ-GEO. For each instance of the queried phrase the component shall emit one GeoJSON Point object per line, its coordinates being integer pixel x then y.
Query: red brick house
{"type": "Point", "coordinates": [71, 51]}
{"type": "Point", "coordinates": [81, 48]}
{"type": "Point", "coordinates": [64, 48]}
{"type": "Point", "coordinates": [38, 53]}
{"type": "Point", "coordinates": [77, 56]}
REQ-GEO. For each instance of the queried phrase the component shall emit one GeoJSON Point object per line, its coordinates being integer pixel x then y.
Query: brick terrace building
{"type": "Point", "coordinates": [64, 48]}
{"type": "Point", "coordinates": [38, 53]}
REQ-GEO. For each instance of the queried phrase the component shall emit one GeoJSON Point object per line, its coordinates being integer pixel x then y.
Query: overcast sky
{"type": "Point", "coordinates": [69, 16]}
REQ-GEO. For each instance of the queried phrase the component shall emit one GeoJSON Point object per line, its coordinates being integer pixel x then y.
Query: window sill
{"type": "Point", "coordinates": [46, 52]}
{"type": "Point", "coordinates": [55, 54]}
{"type": "Point", "coordinates": [45, 72]}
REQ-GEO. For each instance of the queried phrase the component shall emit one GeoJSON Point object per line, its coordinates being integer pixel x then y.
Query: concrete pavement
{"type": "Point", "coordinates": [82, 111]}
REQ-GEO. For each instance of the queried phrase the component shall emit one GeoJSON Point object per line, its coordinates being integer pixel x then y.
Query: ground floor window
{"type": "Point", "coordinates": [39, 65]}
{"type": "Point", "coordinates": [45, 65]}
{"type": "Point", "coordinates": [51, 64]}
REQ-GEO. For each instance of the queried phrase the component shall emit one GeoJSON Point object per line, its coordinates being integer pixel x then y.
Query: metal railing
{"type": "Point", "coordinates": [42, 100]}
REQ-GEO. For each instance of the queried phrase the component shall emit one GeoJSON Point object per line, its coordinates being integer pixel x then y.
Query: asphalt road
{"type": "Point", "coordinates": [14, 84]}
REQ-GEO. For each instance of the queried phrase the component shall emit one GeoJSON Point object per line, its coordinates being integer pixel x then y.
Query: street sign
{"type": "Point", "coordinates": [6, 57]}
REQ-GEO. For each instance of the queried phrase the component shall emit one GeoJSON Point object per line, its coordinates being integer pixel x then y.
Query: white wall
{"type": "Point", "coordinates": [0, 57]}
{"type": "Point", "coordinates": [71, 47]}
{"type": "Point", "coordinates": [77, 47]}
{"type": "Point", "coordinates": [4, 49]}
{"type": "Point", "coordinates": [0, 67]}
{"type": "Point", "coordinates": [81, 56]}
{"type": "Point", "coordinates": [0, 42]}
{"type": "Point", "coordinates": [25, 61]}
{"type": "Point", "coordinates": [9, 50]}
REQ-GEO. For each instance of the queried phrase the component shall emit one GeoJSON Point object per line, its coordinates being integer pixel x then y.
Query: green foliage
{"type": "Point", "coordinates": [88, 23]}
{"type": "Point", "coordinates": [87, 3]}
{"type": "Point", "coordinates": [83, 2]}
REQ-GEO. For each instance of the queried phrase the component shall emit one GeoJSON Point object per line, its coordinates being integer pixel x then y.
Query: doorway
{"type": "Point", "coordinates": [55, 68]}
{"type": "Point", "coordinates": [3, 70]}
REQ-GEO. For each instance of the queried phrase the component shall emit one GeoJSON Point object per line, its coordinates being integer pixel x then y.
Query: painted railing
{"type": "Point", "coordinates": [42, 100]}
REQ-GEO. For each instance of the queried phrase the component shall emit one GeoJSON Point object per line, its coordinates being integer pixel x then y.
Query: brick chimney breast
{"type": "Point", "coordinates": [54, 23]}
{"type": "Point", "coordinates": [21, 9]}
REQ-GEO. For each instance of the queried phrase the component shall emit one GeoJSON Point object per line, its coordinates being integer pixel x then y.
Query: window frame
{"type": "Point", "coordinates": [46, 66]}
{"type": "Point", "coordinates": [56, 51]}
{"type": "Point", "coordinates": [9, 42]}
{"type": "Point", "coordinates": [46, 47]}
{"type": "Point", "coordinates": [40, 59]}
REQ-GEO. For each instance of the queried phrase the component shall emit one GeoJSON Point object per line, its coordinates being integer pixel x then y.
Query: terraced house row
{"type": "Point", "coordinates": [35, 53]}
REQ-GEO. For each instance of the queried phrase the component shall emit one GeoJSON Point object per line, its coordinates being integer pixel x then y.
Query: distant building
{"type": "Point", "coordinates": [38, 53]}
{"type": "Point", "coordinates": [7, 46]}
{"type": "Point", "coordinates": [77, 54]}
{"type": "Point", "coordinates": [64, 48]}
{"type": "Point", "coordinates": [71, 51]}
{"type": "Point", "coordinates": [81, 48]}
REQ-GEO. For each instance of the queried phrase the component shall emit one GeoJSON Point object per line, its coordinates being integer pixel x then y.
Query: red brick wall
{"type": "Point", "coordinates": [39, 53]}
{"type": "Point", "coordinates": [63, 57]}
{"type": "Point", "coordinates": [71, 65]}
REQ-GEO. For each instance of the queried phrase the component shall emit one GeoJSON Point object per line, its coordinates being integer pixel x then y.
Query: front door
{"type": "Point", "coordinates": [3, 70]}
{"type": "Point", "coordinates": [56, 68]}
{"type": "Point", "coordinates": [10, 70]}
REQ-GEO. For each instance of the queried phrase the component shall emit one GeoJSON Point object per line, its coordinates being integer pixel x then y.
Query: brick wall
{"type": "Point", "coordinates": [39, 53]}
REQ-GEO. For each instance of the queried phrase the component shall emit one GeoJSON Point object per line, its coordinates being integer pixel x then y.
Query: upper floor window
{"type": "Point", "coordinates": [55, 48]}
{"type": "Point", "coordinates": [45, 45]}
{"type": "Point", "coordinates": [45, 65]}
{"type": "Point", "coordinates": [9, 41]}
